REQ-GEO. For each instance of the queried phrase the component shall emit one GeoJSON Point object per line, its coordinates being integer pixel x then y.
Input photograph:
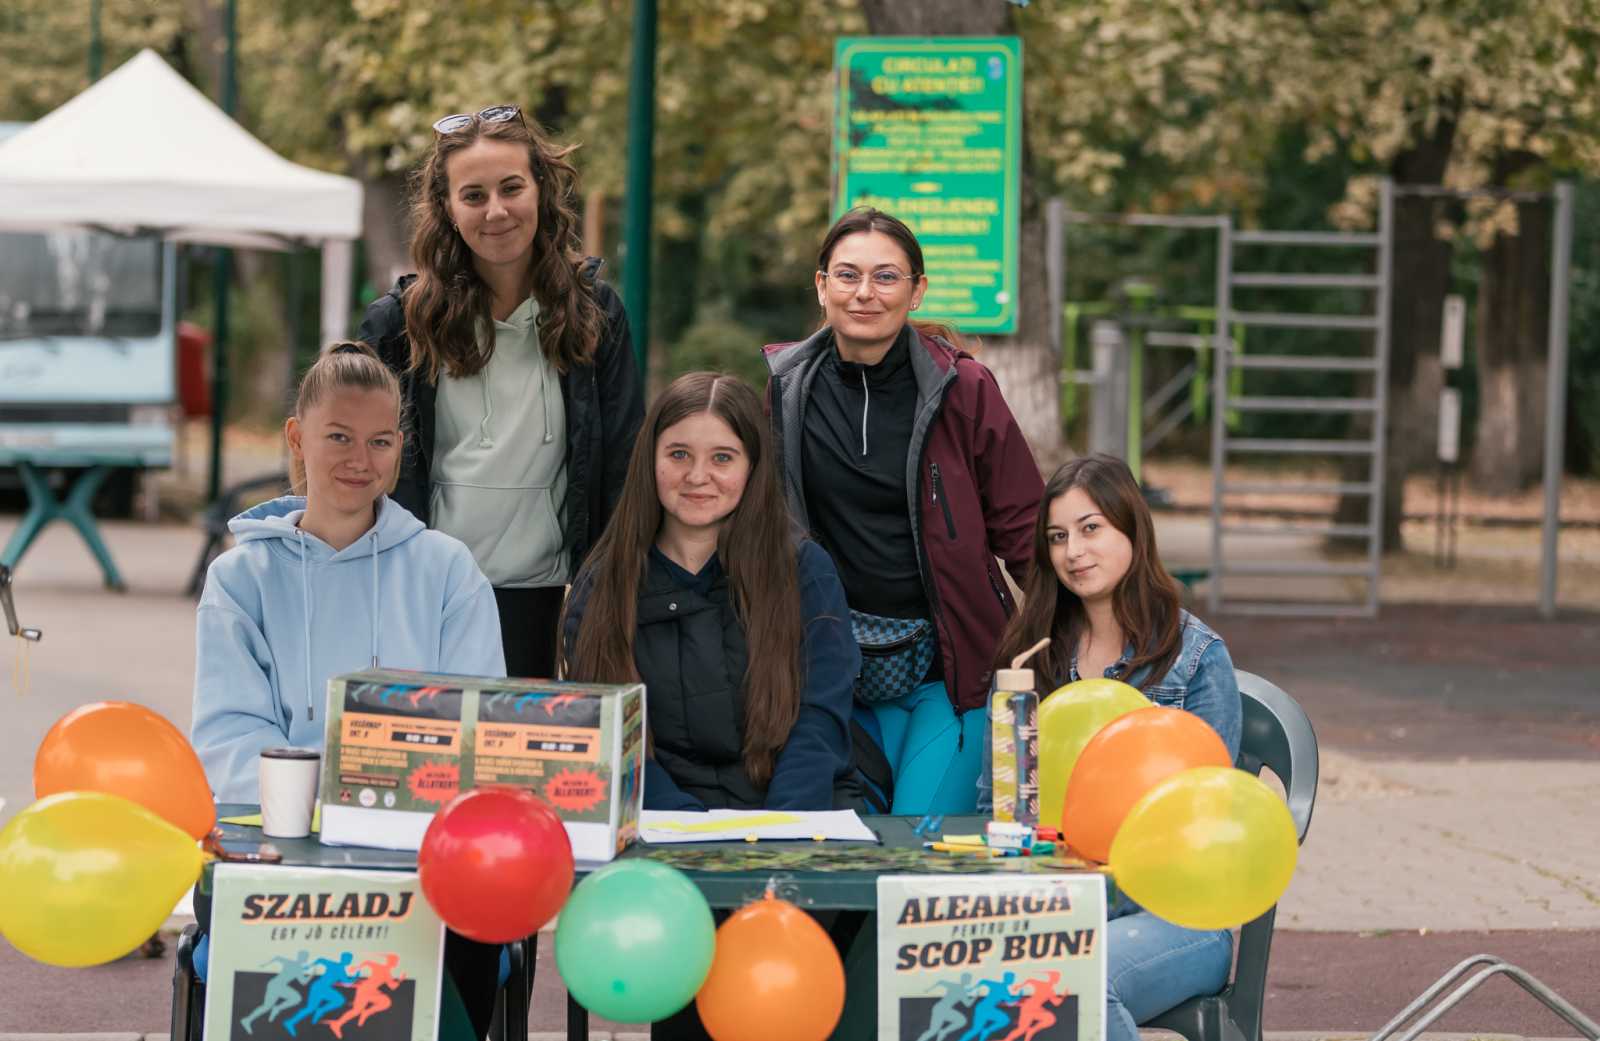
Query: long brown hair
{"type": "Point", "coordinates": [343, 365]}
{"type": "Point", "coordinates": [757, 548]}
{"type": "Point", "coordinates": [449, 302]}
{"type": "Point", "coordinates": [1147, 601]}
{"type": "Point", "coordinates": [864, 219]}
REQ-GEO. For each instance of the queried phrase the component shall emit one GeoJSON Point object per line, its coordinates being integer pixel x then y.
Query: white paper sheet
{"type": "Point", "coordinates": [661, 826]}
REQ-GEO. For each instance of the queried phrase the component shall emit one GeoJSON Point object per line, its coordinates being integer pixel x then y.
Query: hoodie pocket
{"type": "Point", "coordinates": [515, 534]}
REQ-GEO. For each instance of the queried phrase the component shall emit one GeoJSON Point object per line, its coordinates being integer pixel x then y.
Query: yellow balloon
{"type": "Point", "coordinates": [1209, 848]}
{"type": "Point", "coordinates": [86, 877]}
{"type": "Point", "coordinates": [1068, 718]}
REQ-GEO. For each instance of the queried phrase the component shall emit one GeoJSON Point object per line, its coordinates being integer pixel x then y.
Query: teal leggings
{"type": "Point", "coordinates": [935, 754]}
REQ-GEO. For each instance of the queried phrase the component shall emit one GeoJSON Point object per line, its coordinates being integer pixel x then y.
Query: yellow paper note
{"type": "Point", "coordinates": [743, 824]}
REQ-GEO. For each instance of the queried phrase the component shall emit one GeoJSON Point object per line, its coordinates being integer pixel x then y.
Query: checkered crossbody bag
{"type": "Point", "coordinates": [895, 655]}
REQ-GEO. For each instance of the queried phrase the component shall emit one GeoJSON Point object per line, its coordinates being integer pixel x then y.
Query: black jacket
{"type": "Point", "coordinates": [690, 649]}
{"type": "Point", "coordinates": [604, 403]}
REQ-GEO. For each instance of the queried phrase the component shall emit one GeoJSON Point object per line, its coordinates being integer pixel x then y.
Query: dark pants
{"type": "Point", "coordinates": [528, 621]}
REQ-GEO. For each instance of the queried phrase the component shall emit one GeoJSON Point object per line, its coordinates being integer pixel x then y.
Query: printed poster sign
{"type": "Point", "coordinates": [991, 957]}
{"type": "Point", "coordinates": [930, 130]}
{"type": "Point", "coordinates": [399, 745]}
{"type": "Point", "coordinates": [300, 953]}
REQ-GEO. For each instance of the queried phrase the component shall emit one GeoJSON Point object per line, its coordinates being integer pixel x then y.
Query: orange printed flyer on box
{"type": "Point", "coordinates": [402, 744]}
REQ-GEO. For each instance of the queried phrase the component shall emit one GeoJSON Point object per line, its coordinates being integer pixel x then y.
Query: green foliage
{"type": "Point", "coordinates": [1278, 112]}
{"type": "Point", "coordinates": [720, 344]}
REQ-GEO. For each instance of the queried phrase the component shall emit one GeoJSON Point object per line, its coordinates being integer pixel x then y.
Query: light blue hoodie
{"type": "Point", "coordinates": [282, 613]}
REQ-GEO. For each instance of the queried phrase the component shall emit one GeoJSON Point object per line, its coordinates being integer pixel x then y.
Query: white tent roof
{"type": "Point", "coordinates": [142, 149]}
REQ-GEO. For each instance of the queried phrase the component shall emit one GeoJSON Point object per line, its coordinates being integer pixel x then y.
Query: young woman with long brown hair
{"type": "Point", "coordinates": [702, 588]}
{"type": "Point", "coordinates": [902, 459]}
{"type": "Point", "coordinates": [1099, 591]}
{"type": "Point", "coordinates": [516, 366]}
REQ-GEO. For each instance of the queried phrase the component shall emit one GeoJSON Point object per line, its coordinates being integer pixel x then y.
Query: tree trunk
{"type": "Point", "coordinates": [1512, 351]}
{"type": "Point", "coordinates": [1421, 280]}
{"type": "Point", "coordinates": [383, 219]}
{"type": "Point", "coordinates": [1025, 364]}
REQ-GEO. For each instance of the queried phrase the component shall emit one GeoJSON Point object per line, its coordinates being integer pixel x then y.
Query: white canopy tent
{"type": "Point", "coordinates": [143, 151]}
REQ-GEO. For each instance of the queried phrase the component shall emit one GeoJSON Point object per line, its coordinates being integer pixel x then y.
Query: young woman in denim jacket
{"type": "Point", "coordinates": [1098, 590]}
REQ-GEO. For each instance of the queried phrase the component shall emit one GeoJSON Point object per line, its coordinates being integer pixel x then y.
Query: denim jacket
{"type": "Point", "coordinates": [1200, 681]}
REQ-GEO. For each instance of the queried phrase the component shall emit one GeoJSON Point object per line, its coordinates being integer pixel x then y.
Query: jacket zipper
{"type": "Point", "coordinates": [999, 591]}
{"type": "Point", "coordinates": [886, 649]}
{"type": "Point", "coordinates": [942, 502]}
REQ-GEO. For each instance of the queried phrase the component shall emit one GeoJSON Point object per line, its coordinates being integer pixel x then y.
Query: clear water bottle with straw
{"type": "Point", "coordinates": [1013, 752]}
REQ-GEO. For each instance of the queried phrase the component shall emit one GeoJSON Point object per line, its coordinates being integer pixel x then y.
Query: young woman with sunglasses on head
{"type": "Point", "coordinates": [901, 458]}
{"type": "Point", "coordinates": [1098, 590]}
{"type": "Point", "coordinates": [517, 366]}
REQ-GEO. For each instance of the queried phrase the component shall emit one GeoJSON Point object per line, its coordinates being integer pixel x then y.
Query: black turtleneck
{"type": "Point", "coordinates": [857, 434]}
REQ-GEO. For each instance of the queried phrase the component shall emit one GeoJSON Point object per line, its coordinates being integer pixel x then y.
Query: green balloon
{"type": "Point", "coordinates": [634, 941]}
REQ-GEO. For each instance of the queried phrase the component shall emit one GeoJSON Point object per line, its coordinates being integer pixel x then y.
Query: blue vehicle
{"type": "Point", "coordinates": [88, 333]}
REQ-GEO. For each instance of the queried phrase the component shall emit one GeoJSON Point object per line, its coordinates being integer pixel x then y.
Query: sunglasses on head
{"type": "Point", "coordinates": [461, 120]}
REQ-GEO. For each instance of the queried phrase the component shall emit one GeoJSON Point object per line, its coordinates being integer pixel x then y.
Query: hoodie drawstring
{"type": "Point", "coordinates": [376, 603]}
{"type": "Point", "coordinates": [305, 614]}
{"type": "Point", "coordinates": [544, 403]}
{"type": "Point", "coordinates": [305, 617]}
{"type": "Point", "coordinates": [484, 440]}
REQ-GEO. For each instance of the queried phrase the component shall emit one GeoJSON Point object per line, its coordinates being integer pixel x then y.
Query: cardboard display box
{"type": "Point", "coordinates": [399, 745]}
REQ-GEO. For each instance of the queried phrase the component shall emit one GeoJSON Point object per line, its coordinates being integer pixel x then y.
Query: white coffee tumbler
{"type": "Point", "coordinates": [288, 791]}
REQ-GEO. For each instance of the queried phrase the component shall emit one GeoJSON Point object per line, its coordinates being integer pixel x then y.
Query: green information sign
{"type": "Point", "coordinates": [930, 130]}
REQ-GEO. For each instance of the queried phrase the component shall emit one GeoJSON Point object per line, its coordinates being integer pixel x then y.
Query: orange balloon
{"type": "Point", "coordinates": [775, 977]}
{"type": "Point", "coordinates": [1128, 757]}
{"type": "Point", "coordinates": [129, 751]}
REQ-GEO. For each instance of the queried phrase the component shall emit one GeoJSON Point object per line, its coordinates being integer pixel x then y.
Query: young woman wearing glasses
{"type": "Point", "coordinates": [902, 460]}
{"type": "Point", "coordinates": [516, 364]}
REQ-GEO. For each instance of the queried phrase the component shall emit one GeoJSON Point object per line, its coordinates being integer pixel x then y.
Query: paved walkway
{"type": "Point", "coordinates": [1461, 753]}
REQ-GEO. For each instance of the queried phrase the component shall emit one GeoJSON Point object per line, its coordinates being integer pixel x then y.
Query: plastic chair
{"type": "Point", "coordinates": [510, 1021]}
{"type": "Point", "coordinates": [1277, 735]}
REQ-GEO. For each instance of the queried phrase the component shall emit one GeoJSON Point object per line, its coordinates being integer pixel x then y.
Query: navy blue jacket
{"type": "Point", "coordinates": [690, 652]}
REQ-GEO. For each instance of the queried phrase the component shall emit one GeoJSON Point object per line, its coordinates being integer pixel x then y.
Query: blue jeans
{"type": "Point", "coordinates": [936, 755]}
{"type": "Point", "coordinates": [1153, 965]}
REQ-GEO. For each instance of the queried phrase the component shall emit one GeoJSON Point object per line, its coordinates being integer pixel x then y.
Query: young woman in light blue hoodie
{"type": "Point", "coordinates": [337, 580]}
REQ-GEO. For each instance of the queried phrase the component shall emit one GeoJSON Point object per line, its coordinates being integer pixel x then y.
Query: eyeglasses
{"type": "Point", "coordinates": [884, 280]}
{"type": "Point", "coordinates": [462, 120]}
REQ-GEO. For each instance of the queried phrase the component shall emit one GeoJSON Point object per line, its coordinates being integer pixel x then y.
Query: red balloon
{"type": "Point", "coordinates": [1128, 757]}
{"type": "Point", "coordinates": [496, 864]}
{"type": "Point", "coordinates": [123, 749]}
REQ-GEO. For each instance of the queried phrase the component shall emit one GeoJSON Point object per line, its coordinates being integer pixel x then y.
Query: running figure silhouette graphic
{"type": "Point", "coordinates": [1032, 1016]}
{"type": "Point", "coordinates": [281, 995]}
{"type": "Point", "coordinates": [369, 998]}
{"type": "Point", "coordinates": [321, 997]}
{"type": "Point", "coordinates": [946, 1015]}
{"type": "Point", "coordinates": [988, 1018]}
